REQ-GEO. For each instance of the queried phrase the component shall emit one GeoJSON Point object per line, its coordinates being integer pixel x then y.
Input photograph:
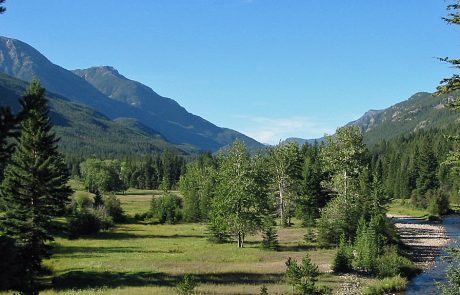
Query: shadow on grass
{"type": "Point", "coordinates": [297, 248]}
{"type": "Point", "coordinates": [90, 251]}
{"type": "Point", "coordinates": [83, 280]}
{"type": "Point", "coordinates": [130, 236]}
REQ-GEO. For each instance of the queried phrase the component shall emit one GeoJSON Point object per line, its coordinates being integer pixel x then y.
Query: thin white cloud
{"type": "Point", "coordinates": [272, 130]}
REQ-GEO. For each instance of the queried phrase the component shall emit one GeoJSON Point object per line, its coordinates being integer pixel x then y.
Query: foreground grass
{"type": "Point", "coordinates": [138, 258]}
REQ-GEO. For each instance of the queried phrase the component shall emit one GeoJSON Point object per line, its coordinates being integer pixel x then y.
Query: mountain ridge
{"type": "Point", "coordinates": [164, 115]}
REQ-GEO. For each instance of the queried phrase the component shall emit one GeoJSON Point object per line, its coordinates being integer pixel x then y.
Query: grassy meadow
{"type": "Point", "coordinates": [141, 258]}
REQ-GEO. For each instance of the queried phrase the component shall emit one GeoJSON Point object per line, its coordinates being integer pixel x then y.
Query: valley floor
{"type": "Point", "coordinates": [139, 258]}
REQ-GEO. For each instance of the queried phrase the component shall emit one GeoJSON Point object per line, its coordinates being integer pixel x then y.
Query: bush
{"type": "Point", "coordinates": [392, 264]}
{"type": "Point", "coordinates": [105, 220]}
{"type": "Point", "coordinates": [302, 277]}
{"type": "Point", "coordinates": [263, 290]}
{"type": "Point", "coordinates": [438, 203]}
{"type": "Point", "coordinates": [167, 209]}
{"type": "Point", "coordinates": [343, 258]}
{"type": "Point", "coordinates": [113, 207]}
{"type": "Point", "coordinates": [393, 284]}
{"type": "Point", "coordinates": [80, 201]}
{"type": "Point", "coordinates": [84, 223]}
{"type": "Point", "coordinates": [186, 286]}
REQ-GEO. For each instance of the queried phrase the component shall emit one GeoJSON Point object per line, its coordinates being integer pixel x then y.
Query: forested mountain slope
{"type": "Point", "coordinates": [421, 111]}
{"type": "Point", "coordinates": [85, 132]}
{"type": "Point", "coordinates": [114, 96]}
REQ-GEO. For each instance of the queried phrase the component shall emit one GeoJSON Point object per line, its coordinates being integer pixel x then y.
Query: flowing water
{"type": "Point", "coordinates": [425, 283]}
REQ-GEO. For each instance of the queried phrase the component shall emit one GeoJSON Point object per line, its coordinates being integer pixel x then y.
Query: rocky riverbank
{"type": "Point", "coordinates": [425, 238]}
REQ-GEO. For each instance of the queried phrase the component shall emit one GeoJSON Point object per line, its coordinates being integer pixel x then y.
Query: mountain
{"type": "Point", "coordinates": [421, 111]}
{"type": "Point", "coordinates": [86, 132]}
{"type": "Point", "coordinates": [115, 96]}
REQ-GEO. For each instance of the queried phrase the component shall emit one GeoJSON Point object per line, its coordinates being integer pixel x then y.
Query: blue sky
{"type": "Point", "coordinates": [268, 68]}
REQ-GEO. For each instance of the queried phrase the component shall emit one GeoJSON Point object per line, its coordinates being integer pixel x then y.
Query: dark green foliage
{"type": "Point", "coordinates": [343, 258]}
{"type": "Point", "coordinates": [2, 8]}
{"type": "Point", "coordinates": [367, 247]}
{"type": "Point", "coordinates": [112, 206]}
{"type": "Point", "coordinates": [270, 237]}
{"type": "Point", "coordinates": [10, 264]}
{"type": "Point", "coordinates": [438, 202]}
{"type": "Point", "coordinates": [197, 186]}
{"type": "Point", "coordinates": [339, 217]}
{"type": "Point", "coordinates": [84, 223]}
{"type": "Point", "coordinates": [98, 200]}
{"type": "Point", "coordinates": [263, 290]}
{"type": "Point", "coordinates": [411, 166]}
{"type": "Point", "coordinates": [391, 264]}
{"type": "Point", "coordinates": [312, 197]}
{"type": "Point", "coordinates": [167, 208]}
{"type": "Point", "coordinates": [302, 278]}
{"type": "Point", "coordinates": [186, 286]}
{"type": "Point", "coordinates": [34, 188]}
{"type": "Point", "coordinates": [8, 124]}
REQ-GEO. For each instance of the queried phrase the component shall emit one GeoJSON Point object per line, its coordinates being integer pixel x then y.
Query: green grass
{"type": "Point", "coordinates": [138, 258]}
{"type": "Point", "coordinates": [403, 207]}
{"type": "Point", "coordinates": [387, 285]}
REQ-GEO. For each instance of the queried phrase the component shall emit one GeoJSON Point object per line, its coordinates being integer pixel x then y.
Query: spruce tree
{"type": "Point", "coordinates": [34, 188]}
{"type": "Point", "coordinates": [7, 131]}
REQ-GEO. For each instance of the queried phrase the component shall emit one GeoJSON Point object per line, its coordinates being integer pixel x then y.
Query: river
{"type": "Point", "coordinates": [425, 283]}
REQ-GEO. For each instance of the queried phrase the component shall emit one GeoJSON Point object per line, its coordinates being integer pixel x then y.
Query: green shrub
{"type": "Point", "coordinates": [343, 258]}
{"type": "Point", "coordinates": [105, 220]}
{"type": "Point", "coordinates": [80, 201]}
{"type": "Point", "coordinates": [438, 203]}
{"type": "Point", "coordinates": [392, 284]}
{"type": "Point", "coordinates": [113, 207]}
{"type": "Point", "coordinates": [392, 264]}
{"type": "Point", "coordinates": [84, 223]}
{"type": "Point", "coordinates": [263, 290]}
{"type": "Point", "coordinates": [186, 286]}
{"type": "Point", "coordinates": [167, 208]}
{"type": "Point", "coordinates": [303, 277]}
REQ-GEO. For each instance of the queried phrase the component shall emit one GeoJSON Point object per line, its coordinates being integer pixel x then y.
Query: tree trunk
{"type": "Point", "coordinates": [281, 192]}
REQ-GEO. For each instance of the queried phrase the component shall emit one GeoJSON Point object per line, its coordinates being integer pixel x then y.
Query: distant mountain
{"type": "Point", "coordinates": [115, 96]}
{"type": "Point", "coordinates": [420, 111]}
{"type": "Point", "coordinates": [86, 132]}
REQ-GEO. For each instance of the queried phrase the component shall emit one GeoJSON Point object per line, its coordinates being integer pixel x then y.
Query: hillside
{"type": "Point", "coordinates": [84, 131]}
{"type": "Point", "coordinates": [421, 111]}
{"type": "Point", "coordinates": [115, 96]}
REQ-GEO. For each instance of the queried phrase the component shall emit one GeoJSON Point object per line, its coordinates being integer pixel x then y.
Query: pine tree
{"type": "Point", "coordinates": [8, 124]}
{"type": "Point", "coordinates": [34, 189]}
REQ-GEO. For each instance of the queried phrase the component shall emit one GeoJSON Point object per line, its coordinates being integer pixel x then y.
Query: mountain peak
{"type": "Point", "coordinates": [100, 70]}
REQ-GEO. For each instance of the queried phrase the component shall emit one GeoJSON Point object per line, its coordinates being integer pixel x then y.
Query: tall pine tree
{"type": "Point", "coordinates": [7, 130]}
{"type": "Point", "coordinates": [34, 188]}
